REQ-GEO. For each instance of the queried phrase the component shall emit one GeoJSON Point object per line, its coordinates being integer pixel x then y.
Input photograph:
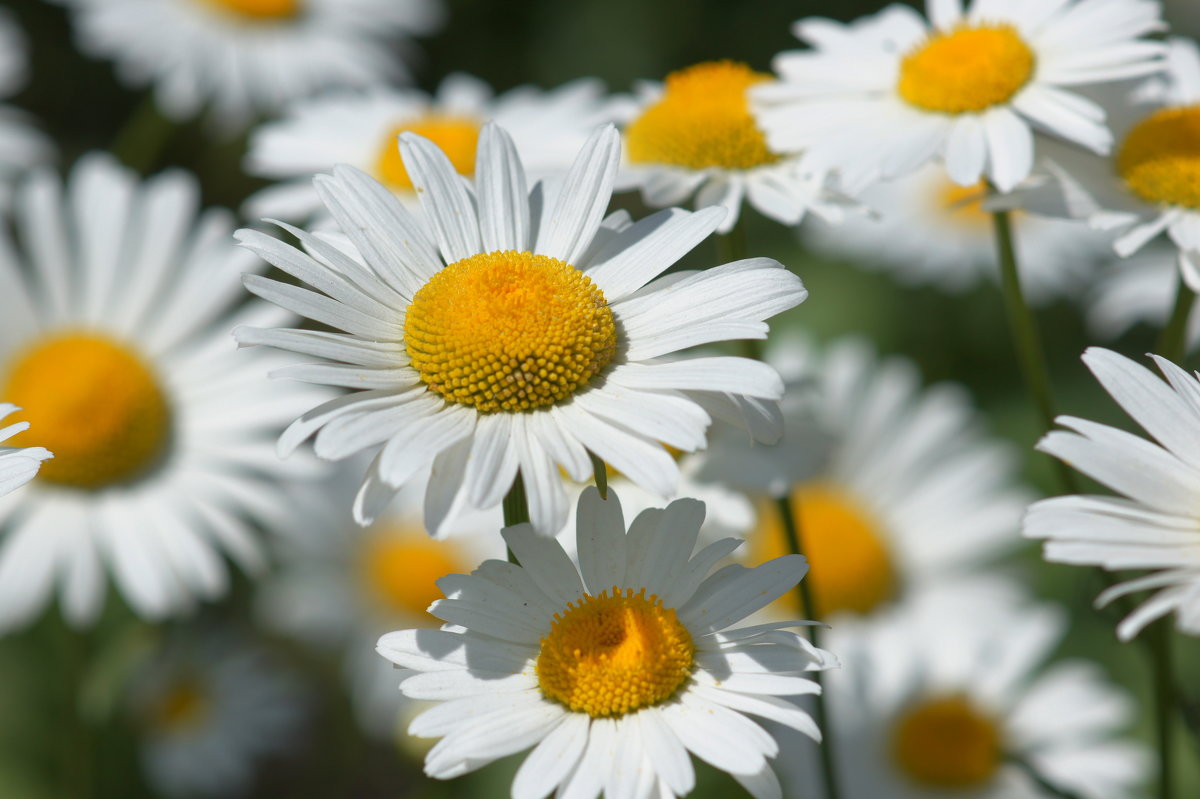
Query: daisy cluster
{"type": "Point", "coordinates": [371, 415]}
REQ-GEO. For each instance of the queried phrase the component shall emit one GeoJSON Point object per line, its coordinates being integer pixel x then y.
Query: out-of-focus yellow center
{"type": "Point", "coordinates": [946, 743]}
{"type": "Point", "coordinates": [614, 653]}
{"type": "Point", "coordinates": [702, 120]}
{"type": "Point", "coordinates": [260, 9]}
{"type": "Point", "coordinates": [850, 568]}
{"type": "Point", "coordinates": [509, 331]}
{"type": "Point", "coordinates": [964, 204]}
{"type": "Point", "coordinates": [93, 403]}
{"type": "Point", "coordinates": [967, 69]}
{"type": "Point", "coordinates": [1160, 158]}
{"type": "Point", "coordinates": [458, 138]}
{"type": "Point", "coordinates": [184, 705]}
{"type": "Point", "coordinates": [402, 567]}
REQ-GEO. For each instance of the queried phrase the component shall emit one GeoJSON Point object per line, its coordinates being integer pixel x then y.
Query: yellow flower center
{"type": "Point", "coordinates": [260, 9]}
{"type": "Point", "coordinates": [702, 120]}
{"type": "Point", "coordinates": [509, 331]}
{"type": "Point", "coordinates": [1160, 158]}
{"type": "Point", "coordinates": [946, 743]}
{"type": "Point", "coordinates": [93, 403]}
{"type": "Point", "coordinates": [401, 568]}
{"type": "Point", "coordinates": [614, 653]}
{"type": "Point", "coordinates": [967, 69]}
{"type": "Point", "coordinates": [183, 706]}
{"type": "Point", "coordinates": [850, 568]}
{"type": "Point", "coordinates": [458, 138]}
{"type": "Point", "coordinates": [964, 204]}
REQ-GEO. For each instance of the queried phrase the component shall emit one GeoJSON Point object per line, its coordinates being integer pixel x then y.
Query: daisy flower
{"type": "Point", "coordinates": [884, 95]}
{"type": "Point", "coordinates": [1149, 186]}
{"type": "Point", "coordinates": [894, 486]}
{"type": "Point", "coordinates": [1153, 524]}
{"type": "Point", "coordinates": [18, 465]}
{"type": "Point", "coordinates": [695, 136]}
{"type": "Point", "coordinates": [241, 58]}
{"type": "Point", "coordinates": [21, 145]}
{"type": "Point", "coordinates": [340, 587]}
{"type": "Point", "coordinates": [948, 694]}
{"type": "Point", "coordinates": [207, 710]}
{"type": "Point", "coordinates": [930, 230]}
{"type": "Point", "coordinates": [116, 311]}
{"type": "Point", "coordinates": [361, 129]}
{"type": "Point", "coordinates": [613, 671]}
{"type": "Point", "coordinates": [531, 333]}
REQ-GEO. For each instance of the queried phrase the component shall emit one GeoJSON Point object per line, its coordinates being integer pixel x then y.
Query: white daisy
{"type": "Point", "coordinates": [883, 95]}
{"type": "Point", "coordinates": [894, 486]}
{"type": "Point", "coordinates": [18, 465]}
{"type": "Point", "coordinates": [613, 671]}
{"type": "Point", "coordinates": [947, 695]}
{"type": "Point", "coordinates": [241, 58]}
{"type": "Point", "coordinates": [531, 334]}
{"type": "Point", "coordinates": [340, 587]}
{"type": "Point", "coordinates": [1149, 186]}
{"type": "Point", "coordinates": [1153, 524]}
{"type": "Point", "coordinates": [361, 130]}
{"type": "Point", "coordinates": [21, 144]}
{"type": "Point", "coordinates": [695, 136]}
{"type": "Point", "coordinates": [207, 709]}
{"type": "Point", "coordinates": [114, 320]}
{"type": "Point", "coordinates": [1140, 289]}
{"type": "Point", "coordinates": [929, 230]}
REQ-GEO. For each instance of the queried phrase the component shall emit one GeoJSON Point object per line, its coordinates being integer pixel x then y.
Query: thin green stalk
{"type": "Point", "coordinates": [1026, 338]}
{"type": "Point", "coordinates": [140, 141]}
{"type": "Point", "coordinates": [516, 508]}
{"type": "Point", "coordinates": [732, 247]}
{"type": "Point", "coordinates": [1162, 663]}
{"type": "Point", "coordinates": [78, 765]}
{"type": "Point", "coordinates": [1172, 342]}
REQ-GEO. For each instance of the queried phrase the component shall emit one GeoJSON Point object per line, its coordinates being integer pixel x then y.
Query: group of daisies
{"type": "Point", "coordinates": [461, 319]}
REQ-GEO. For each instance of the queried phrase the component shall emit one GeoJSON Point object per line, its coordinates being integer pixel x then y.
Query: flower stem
{"type": "Point", "coordinates": [516, 508]}
{"type": "Point", "coordinates": [1162, 663]}
{"type": "Point", "coordinates": [1172, 342]}
{"type": "Point", "coordinates": [1026, 338]}
{"type": "Point", "coordinates": [140, 141]}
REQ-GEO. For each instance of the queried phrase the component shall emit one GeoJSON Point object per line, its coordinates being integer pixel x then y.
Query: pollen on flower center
{"type": "Point", "coordinates": [401, 569]}
{"type": "Point", "coordinates": [851, 569]}
{"type": "Point", "coordinates": [614, 653]}
{"type": "Point", "coordinates": [457, 136]}
{"type": "Point", "coordinates": [702, 120]}
{"type": "Point", "coordinates": [966, 69]}
{"type": "Point", "coordinates": [1160, 158]}
{"type": "Point", "coordinates": [509, 331]}
{"type": "Point", "coordinates": [946, 743]}
{"type": "Point", "coordinates": [260, 9]}
{"type": "Point", "coordinates": [93, 403]}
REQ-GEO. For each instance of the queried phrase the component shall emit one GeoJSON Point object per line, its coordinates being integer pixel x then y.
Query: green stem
{"type": "Point", "coordinates": [140, 141]}
{"type": "Point", "coordinates": [78, 751]}
{"type": "Point", "coordinates": [1162, 663]}
{"type": "Point", "coordinates": [516, 508]}
{"type": "Point", "coordinates": [731, 246]}
{"type": "Point", "coordinates": [1172, 343]}
{"type": "Point", "coordinates": [1026, 338]}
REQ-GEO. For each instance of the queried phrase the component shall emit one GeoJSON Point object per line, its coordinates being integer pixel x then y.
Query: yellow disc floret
{"type": "Point", "coordinates": [93, 403]}
{"type": "Point", "coordinates": [946, 743]}
{"type": "Point", "coordinates": [401, 569]}
{"type": "Point", "coordinates": [964, 204]}
{"type": "Point", "coordinates": [509, 331]}
{"type": "Point", "coordinates": [851, 569]}
{"type": "Point", "coordinates": [967, 69]}
{"type": "Point", "coordinates": [1160, 158]}
{"type": "Point", "coordinates": [264, 10]}
{"type": "Point", "coordinates": [614, 653]}
{"type": "Point", "coordinates": [457, 137]}
{"type": "Point", "coordinates": [702, 120]}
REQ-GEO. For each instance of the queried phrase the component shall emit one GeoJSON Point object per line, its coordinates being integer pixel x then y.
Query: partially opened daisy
{"type": "Point", "coordinates": [883, 95]}
{"type": "Point", "coordinates": [241, 58]}
{"type": "Point", "coordinates": [1153, 524]}
{"type": "Point", "coordinates": [116, 313]}
{"type": "Point", "coordinates": [929, 230]}
{"type": "Point", "coordinates": [18, 465]}
{"type": "Point", "coordinates": [694, 136]}
{"type": "Point", "coordinates": [949, 695]}
{"type": "Point", "coordinates": [894, 485]}
{"type": "Point", "coordinates": [532, 332]}
{"type": "Point", "coordinates": [1151, 185]}
{"type": "Point", "coordinates": [361, 129]}
{"type": "Point", "coordinates": [614, 671]}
